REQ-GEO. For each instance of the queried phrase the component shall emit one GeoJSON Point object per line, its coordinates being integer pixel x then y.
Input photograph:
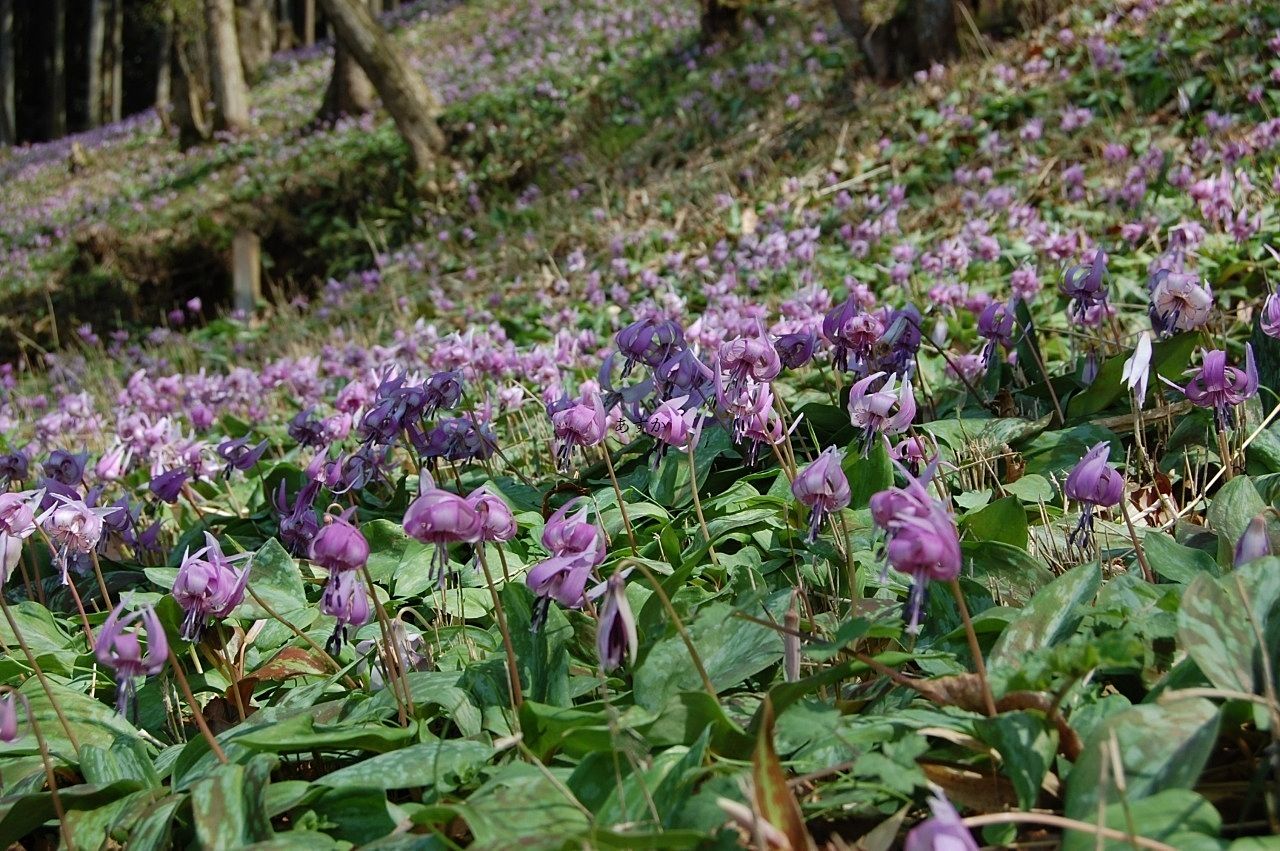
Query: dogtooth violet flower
{"type": "Point", "coordinates": [881, 410]}
{"type": "Point", "coordinates": [921, 537]}
{"type": "Point", "coordinates": [1221, 388]}
{"type": "Point", "coordinates": [996, 325]}
{"type": "Point", "coordinates": [345, 599]}
{"type": "Point", "coordinates": [649, 341]}
{"type": "Point", "coordinates": [744, 358]}
{"type": "Point", "coordinates": [297, 523]}
{"type": "Point", "coordinates": [577, 424]}
{"type": "Point", "coordinates": [167, 487]}
{"type": "Point", "coordinates": [73, 527]}
{"type": "Point", "coordinates": [208, 586]}
{"type": "Point", "coordinates": [942, 831]}
{"type": "Point", "coordinates": [1137, 369]}
{"type": "Point", "coordinates": [1085, 286]}
{"type": "Point", "coordinates": [239, 455]}
{"type": "Point", "coordinates": [339, 545]}
{"type": "Point", "coordinates": [66, 468]}
{"type": "Point", "coordinates": [8, 718]}
{"type": "Point", "coordinates": [1179, 302]}
{"type": "Point", "coordinates": [17, 523]}
{"type": "Point", "coordinates": [1270, 319]}
{"type": "Point", "coordinates": [823, 488]}
{"type": "Point", "coordinates": [118, 647]}
{"type": "Point", "coordinates": [440, 517]}
{"type": "Point", "coordinates": [1094, 484]}
{"type": "Point", "coordinates": [14, 467]}
{"type": "Point", "coordinates": [577, 546]}
{"type": "Point", "coordinates": [853, 333]}
{"type": "Point", "coordinates": [497, 524]}
{"type": "Point", "coordinates": [616, 631]}
{"type": "Point", "coordinates": [1255, 543]}
{"type": "Point", "coordinates": [671, 426]}
{"type": "Point", "coordinates": [796, 349]}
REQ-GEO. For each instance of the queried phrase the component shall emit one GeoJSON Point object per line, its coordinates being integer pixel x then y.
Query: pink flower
{"type": "Point", "coordinates": [441, 518]}
{"type": "Point", "coordinates": [208, 586]}
{"type": "Point", "coordinates": [497, 524]}
{"type": "Point", "coordinates": [118, 648]}
{"type": "Point", "coordinates": [880, 411]}
{"type": "Point", "coordinates": [823, 488]}
{"type": "Point", "coordinates": [576, 546]}
{"type": "Point", "coordinates": [616, 632]}
{"type": "Point", "coordinates": [575, 424]}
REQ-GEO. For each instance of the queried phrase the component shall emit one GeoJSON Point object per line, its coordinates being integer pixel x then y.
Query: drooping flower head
{"type": "Point", "coordinates": [823, 488]}
{"type": "Point", "coordinates": [921, 537]}
{"type": "Point", "coordinates": [114, 463]}
{"type": "Point", "coordinates": [996, 325]}
{"type": "Point", "coordinates": [66, 468]}
{"type": "Point", "coordinates": [73, 527]}
{"type": "Point", "coordinates": [298, 523]}
{"type": "Point", "coordinates": [1094, 484]}
{"type": "Point", "coordinates": [239, 455]}
{"type": "Point", "coordinates": [1085, 286]}
{"type": "Point", "coordinates": [796, 349]}
{"type": "Point", "coordinates": [441, 518]}
{"type": "Point", "coordinates": [1179, 302]}
{"type": "Point", "coordinates": [168, 486]}
{"type": "Point", "coordinates": [8, 718]}
{"type": "Point", "coordinates": [497, 524]}
{"type": "Point", "coordinates": [577, 546]}
{"type": "Point", "coordinates": [853, 333]}
{"type": "Point", "coordinates": [943, 831]}
{"type": "Point", "coordinates": [1220, 387]}
{"type": "Point", "coordinates": [1270, 319]}
{"type": "Point", "coordinates": [346, 599]}
{"type": "Point", "coordinates": [748, 358]}
{"type": "Point", "coordinates": [208, 586]}
{"type": "Point", "coordinates": [119, 647]}
{"type": "Point", "coordinates": [616, 631]}
{"type": "Point", "coordinates": [577, 424]}
{"type": "Point", "coordinates": [1137, 369]}
{"type": "Point", "coordinates": [339, 545]}
{"type": "Point", "coordinates": [17, 522]}
{"type": "Point", "coordinates": [649, 341]}
{"type": "Point", "coordinates": [14, 467]}
{"type": "Point", "coordinates": [671, 426]}
{"type": "Point", "coordinates": [875, 408]}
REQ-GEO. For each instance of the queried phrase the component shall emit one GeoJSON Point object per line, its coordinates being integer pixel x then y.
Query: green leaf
{"type": "Point", "coordinates": [20, 815]}
{"type": "Point", "coordinates": [274, 576]}
{"type": "Point", "coordinates": [1234, 505]}
{"type": "Point", "coordinates": [1213, 630]}
{"type": "Point", "coordinates": [126, 759]}
{"type": "Point", "coordinates": [441, 766]}
{"type": "Point", "coordinates": [1051, 616]}
{"type": "Point", "coordinates": [93, 722]}
{"type": "Point", "coordinates": [542, 656]}
{"type": "Point", "coordinates": [1010, 573]}
{"type": "Point", "coordinates": [228, 804]}
{"type": "Point", "coordinates": [1003, 521]}
{"type": "Point", "coordinates": [1169, 358]}
{"type": "Point", "coordinates": [1026, 745]}
{"type": "Point", "coordinates": [867, 476]}
{"type": "Point", "coordinates": [1176, 817]}
{"type": "Point", "coordinates": [1175, 562]}
{"type": "Point", "coordinates": [731, 649]}
{"type": "Point", "coordinates": [41, 630]}
{"type": "Point", "coordinates": [1161, 746]}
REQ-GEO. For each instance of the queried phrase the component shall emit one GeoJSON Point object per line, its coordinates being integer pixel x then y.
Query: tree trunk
{"type": "Point", "coordinates": [308, 22]}
{"type": "Point", "coordinates": [720, 19]}
{"type": "Point", "coordinates": [256, 32]}
{"type": "Point", "coordinates": [113, 69]}
{"type": "Point", "coordinates": [96, 47]}
{"type": "Point", "coordinates": [412, 105]}
{"type": "Point", "coordinates": [164, 68]}
{"type": "Point", "coordinates": [230, 94]}
{"type": "Point", "coordinates": [349, 91]}
{"type": "Point", "coordinates": [8, 127]}
{"type": "Point", "coordinates": [918, 34]}
{"type": "Point", "coordinates": [188, 68]}
{"type": "Point", "coordinates": [56, 68]}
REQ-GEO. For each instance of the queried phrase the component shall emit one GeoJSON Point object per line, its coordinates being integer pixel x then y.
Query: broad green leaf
{"type": "Point", "coordinates": [1177, 817]}
{"type": "Point", "coordinates": [93, 722]}
{"type": "Point", "coordinates": [440, 765]}
{"type": "Point", "coordinates": [1233, 506]}
{"type": "Point", "coordinates": [1161, 746]}
{"type": "Point", "coordinates": [1010, 573]}
{"type": "Point", "coordinates": [1169, 358]}
{"type": "Point", "coordinates": [274, 576]}
{"type": "Point", "coordinates": [1176, 562]}
{"type": "Point", "coordinates": [1003, 521]}
{"type": "Point", "coordinates": [1051, 616]}
{"type": "Point", "coordinates": [1027, 746]}
{"type": "Point", "coordinates": [1213, 630]}
{"type": "Point", "coordinates": [867, 476]}
{"type": "Point", "coordinates": [41, 630]}
{"type": "Point", "coordinates": [22, 814]}
{"type": "Point", "coordinates": [228, 804]}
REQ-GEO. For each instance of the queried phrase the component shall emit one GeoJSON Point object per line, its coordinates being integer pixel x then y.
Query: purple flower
{"type": "Point", "coordinates": [683, 372]}
{"type": "Point", "coordinates": [208, 586]}
{"type": "Point", "coordinates": [114, 463]}
{"type": "Point", "coordinates": [853, 333]}
{"type": "Point", "coordinates": [441, 518]}
{"type": "Point", "coordinates": [880, 411]}
{"type": "Point", "coordinates": [73, 527]}
{"type": "Point", "coordinates": [168, 486]}
{"type": "Point", "coordinates": [339, 545]}
{"type": "Point", "coordinates": [922, 540]}
{"type": "Point", "coordinates": [744, 358]}
{"type": "Point", "coordinates": [1270, 319]}
{"type": "Point", "coordinates": [1094, 484]}
{"type": "Point", "coordinates": [458, 439]}
{"type": "Point", "coordinates": [118, 648]}
{"type": "Point", "coordinates": [649, 341]}
{"type": "Point", "coordinates": [66, 468]}
{"type": "Point", "coordinates": [238, 454]}
{"type": "Point", "coordinates": [671, 426]}
{"type": "Point", "coordinates": [346, 599]}
{"type": "Point", "coordinates": [823, 488]}
{"type": "Point", "coordinates": [442, 390]}
{"type": "Point", "coordinates": [616, 631]}
{"type": "Point", "coordinates": [911, 452]}
{"type": "Point", "coordinates": [1086, 286]}
{"type": "Point", "coordinates": [8, 718]}
{"type": "Point", "coordinates": [1220, 387]}
{"type": "Point", "coordinates": [1255, 543]}
{"type": "Point", "coordinates": [297, 524]}
{"type": "Point", "coordinates": [943, 831]}
{"type": "Point", "coordinates": [14, 467]}
{"type": "Point", "coordinates": [306, 429]}
{"type": "Point", "coordinates": [497, 525]}
{"type": "Point", "coordinates": [996, 325]}
{"type": "Point", "coordinates": [576, 546]}
{"type": "Point", "coordinates": [575, 424]}
{"type": "Point", "coordinates": [796, 349]}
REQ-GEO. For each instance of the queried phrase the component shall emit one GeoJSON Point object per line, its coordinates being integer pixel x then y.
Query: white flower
{"type": "Point", "coordinates": [1137, 369]}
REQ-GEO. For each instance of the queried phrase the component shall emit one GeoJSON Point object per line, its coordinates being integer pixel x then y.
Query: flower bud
{"type": "Point", "coordinates": [1255, 543]}
{"type": "Point", "coordinates": [339, 546]}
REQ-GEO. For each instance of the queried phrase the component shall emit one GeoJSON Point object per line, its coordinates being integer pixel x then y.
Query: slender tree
{"type": "Point", "coordinates": [56, 71]}
{"type": "Point", "coordinates": [230, 94]}
{"type": "Point", "coordinates": [349, 91]}
{"type": "Point", "coordinates": [906, 38]}
{"type": "Point", "coordinates": [95, 49]}
{"type": "Point", "coordinates": [8, 129]}
{"type": "Point", "coordinates": [189, 76]}
{"type": "Point", "coordinates": [256, 30]}
{"type": "Point", "coordinates": [308, 22]}
{"type": "Point", "coordinates": [113, 67]}
{"type": "Point", "coordinates": [412, 105]}
{"type": "Point", "coordinates": [164, 70]}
